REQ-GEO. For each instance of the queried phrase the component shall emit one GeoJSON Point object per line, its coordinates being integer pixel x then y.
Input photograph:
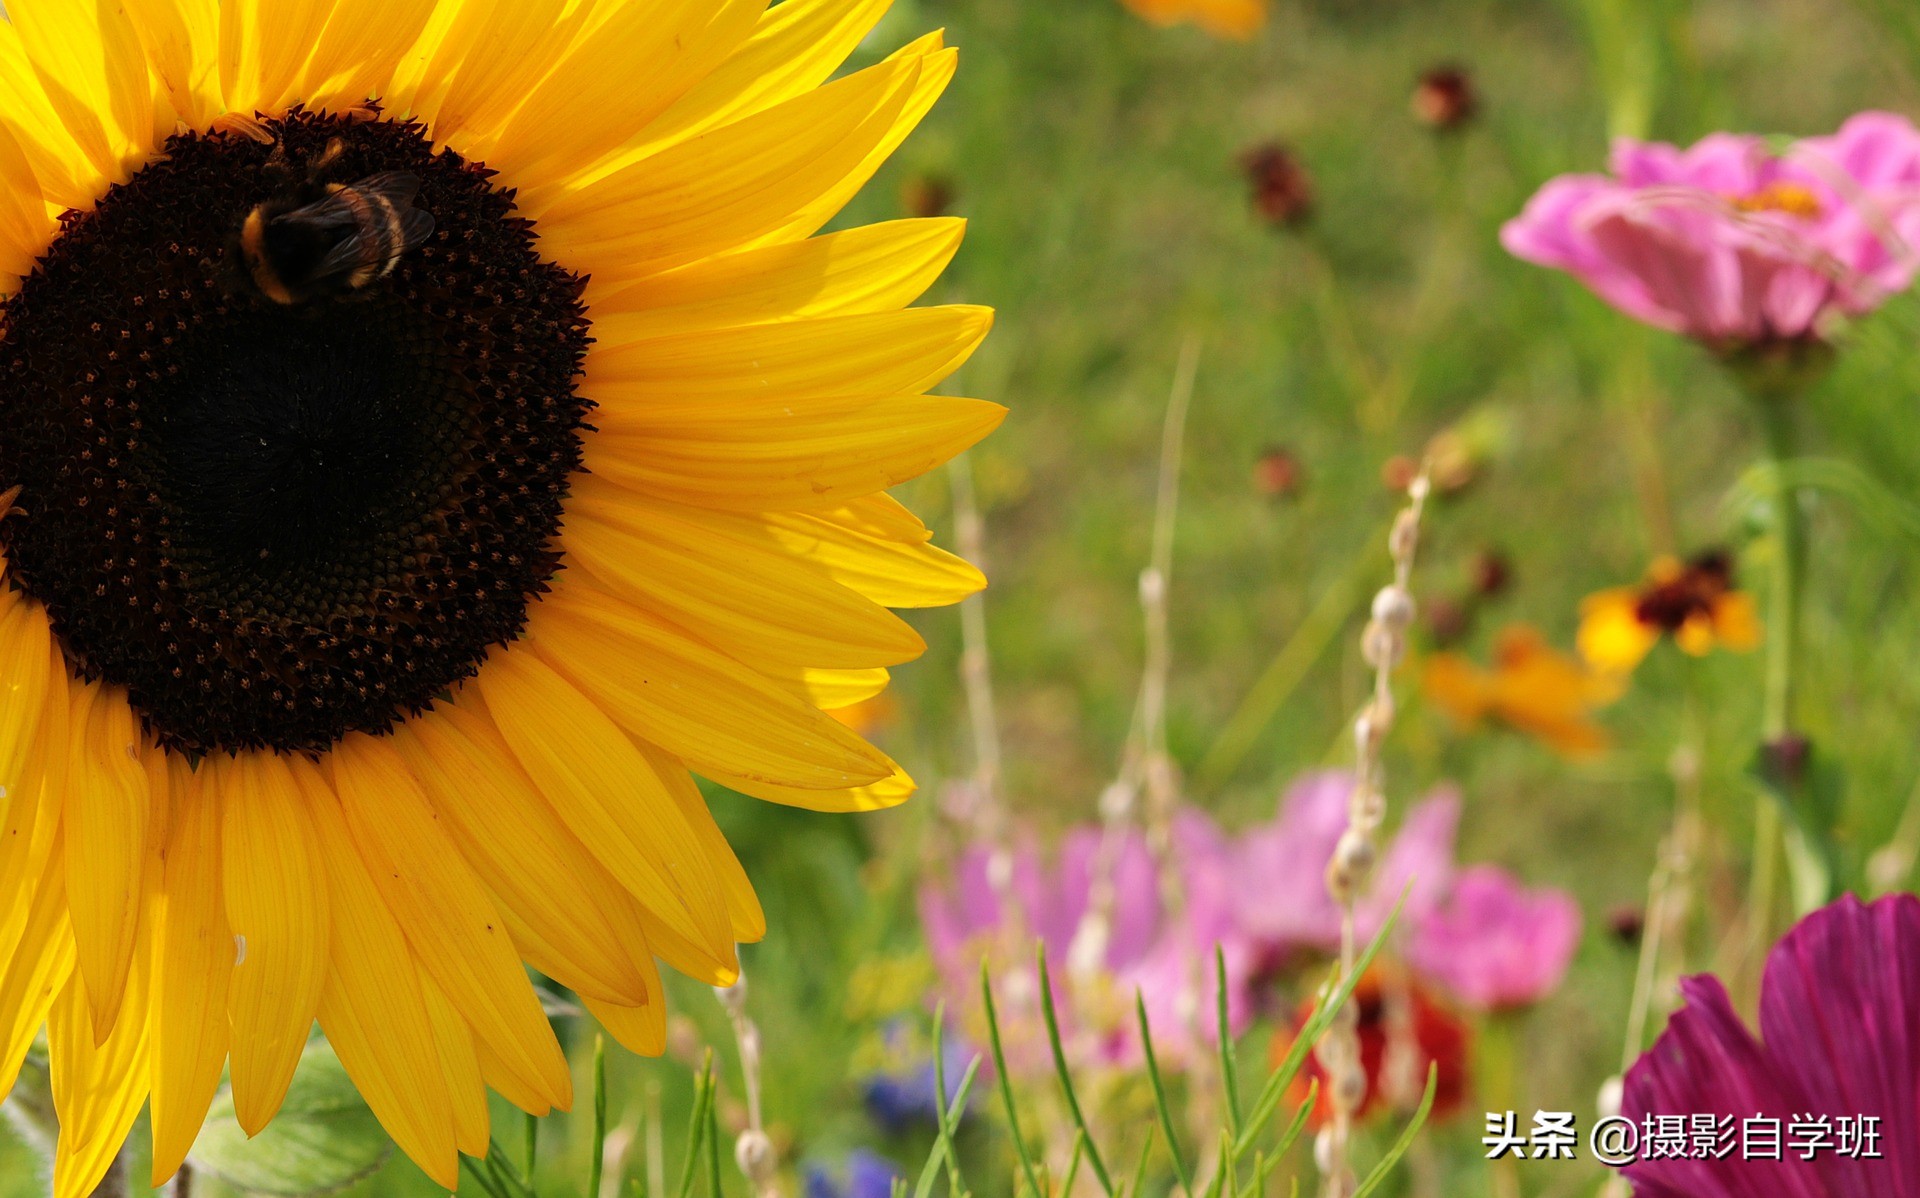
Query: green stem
{"type": "Point", "coordinates": [1777, 407]}
{"type": "Point", "coordinates": [1789, 569]}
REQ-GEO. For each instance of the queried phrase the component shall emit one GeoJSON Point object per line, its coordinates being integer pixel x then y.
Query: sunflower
{"type": "Point", "coordinates": [432, 432]}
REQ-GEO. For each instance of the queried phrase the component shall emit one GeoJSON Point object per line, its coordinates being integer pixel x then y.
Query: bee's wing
{"type": "Point", "coordinates": [337, 211]}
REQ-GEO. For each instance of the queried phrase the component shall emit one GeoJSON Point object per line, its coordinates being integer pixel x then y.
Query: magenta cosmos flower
{"type": "Point", "coordinates": [1144, 948]}
{"type": "Point", "coordinates": [1494, 943]}
{"type": "Point", "coordinates": [1737, 241]}
{"type": "Point", "coordinates": [1838, 1042]}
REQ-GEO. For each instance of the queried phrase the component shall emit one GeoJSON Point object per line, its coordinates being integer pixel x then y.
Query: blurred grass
{"type": "Point", "coordinates": [1095, 158]}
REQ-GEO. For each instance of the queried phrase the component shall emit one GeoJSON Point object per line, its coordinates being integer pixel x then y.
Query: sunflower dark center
{"type": "Point", "coordinates": [279, 523]}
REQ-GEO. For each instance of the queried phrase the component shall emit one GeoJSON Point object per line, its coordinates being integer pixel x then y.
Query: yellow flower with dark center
{"type": "Point", "coordinates": [1531, 687]}
{"type": "Point", "coordinates": [432, 432]}
{"type": "Point", "coordinates": [1693, 602]}
{"type": "Point", "coordinates": [1237, 19]}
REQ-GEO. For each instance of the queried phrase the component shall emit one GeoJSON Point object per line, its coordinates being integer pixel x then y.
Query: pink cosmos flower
{"type": "Point", "coordinates": [1169, 961]}
{"type": "Point", "coordinates": [1736, 242]}
{"type": "Point", "coordinates": [1838, 1041]}
{"type": "Point", "coordinates": [1495, 944]}
{"type": "Point", "coordinates": [1280, 891]}
{"type": "Point", "coordinates": [1478, 931]}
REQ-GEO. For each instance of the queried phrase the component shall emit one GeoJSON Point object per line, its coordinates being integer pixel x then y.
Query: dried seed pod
{"type": "Point", "coordinates": [1394, 608]}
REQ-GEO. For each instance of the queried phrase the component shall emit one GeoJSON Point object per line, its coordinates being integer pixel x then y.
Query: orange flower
{"type": "Point", "coordinates": [1694, 602]}
{"type": "Point", "coordinates": [1237, 19]}
{"type": "Point", "coordinates": [1397, 1014]}
{"type": "Point", "coordinates": [1531, 686]}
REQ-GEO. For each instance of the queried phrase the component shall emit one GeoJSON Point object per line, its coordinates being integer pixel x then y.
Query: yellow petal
{"type": "Point", "coordinates": [874, 268]}
{"type": "Point", "coordinates": [88, 60]}
{"type": "Point", "coordinates": [373, 1010]}
{"type": "Point", "coordinates": [456, 933]}
{"type": "Point", "coordinates": [488, 57]}
{"type": "Point", "coordinates": [1736, 622]}
{"type": "Point", "coordinates": [937, 66]}
{"type": "Point", "coordinates": [594, 101]}
{"type": "Point", "coordinates": [890, 791]}
{"type": "Point", "coordinates": [264, 46]}
{"type": "Point", "coordinates": [107, 814]}
{"type": "Point", "coordinates": [607, 794]}
{"type": "Point", "coordinates": [193, 954]}
{"type": "Point", "coordinates": [1612, 637]}
{"type": "Point", "coordinates": [31, 819]}
{"type": "Point", "coordinates": [784, 454]}
{"type": "Point", "coordinates": [653, 386]}
{"type": "Point", "coordinates": [182, 42]}
{"type": "Point", "coordinates": [276, 895]}
{"type": "Point", "coordinates": [796, 47]}
{"type": "Point", "coordinates": [539, 873]}
{"type": "Point", "coordinates": [637, 1029]}
{"type": "Point", "coordinates": [25, 665]}
{"type": "Point", "coordinates": [98, 1090]}
{"type": "Point", "coordinates": [34, 969]}
{"type": "Point", "coordinates": [719, 190]}
{"type": "Point", "coordinates": [883, 518]}
{"type": "Point", "coordinates": [27, 225]}
{"type": "Point", "coordinates": [472, 1121]}
{"type": "Point", "coordinates": [701, 706]}
{"type": "Point", "coordinates": [829, 690]}
{"type": "Point", "coordinates": [726, 579]}
{"type": "Point", "coordinates": [508, 1083]}
{"type": "Point", "coordinates": [748, 921]}
{"type": "Point", "coordinates": [897, 573]}
{"type": "Point", "coordinates": [363, 42]}
{"type": "Point", "coordinates": [61, 170]}
{"type": "Point", "coordinates": [1695, 635]}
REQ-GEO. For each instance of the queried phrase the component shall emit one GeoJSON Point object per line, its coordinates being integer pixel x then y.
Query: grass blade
{"type": "Point", "coordinates": [599, 1162]}
{"type": "Point", "coordinates": [1298, 1125]}
{"type": "Point", "coordinates": [703, 1087]}
{"type": "Point", "coordinates": [1140, 1170]}
{"type": "Point", "coordinates": [1066, 1078]}
{"type": "Point", "coordinates": [1400, 1146]}
{"type": "Point", "coordinates": [943, 1145]}
{"type": "Point", "coordinates": [1229, 1074]}
{"type": "Point", "coordinates": [713, 1144]}
{"type": "Point", "coordinates": [1080, 1143]}
{"type": "Point", "coordinates": [1006, 1085]}
{"type": "Point", "coordinates": [955, 1185]}
{"type": "Point", "coordinates": [1160, 1095]}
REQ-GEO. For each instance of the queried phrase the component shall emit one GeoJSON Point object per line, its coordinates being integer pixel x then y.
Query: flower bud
{"type": "Point", "coordinates": [1445, 99]}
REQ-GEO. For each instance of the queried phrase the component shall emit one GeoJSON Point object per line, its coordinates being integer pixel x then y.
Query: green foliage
{"type": "Point", "coordinates": [323, 1140]}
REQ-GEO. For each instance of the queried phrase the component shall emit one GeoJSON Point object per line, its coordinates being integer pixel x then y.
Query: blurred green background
{"type": "Point", "coordinates": [1096, 158]}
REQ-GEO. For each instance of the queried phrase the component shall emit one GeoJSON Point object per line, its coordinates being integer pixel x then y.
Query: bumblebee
{"type": "Point", "coordinates": [295, 247]}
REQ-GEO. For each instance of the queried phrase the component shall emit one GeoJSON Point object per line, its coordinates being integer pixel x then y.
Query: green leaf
{"type": "Point", "coordinates": [324, 1138]}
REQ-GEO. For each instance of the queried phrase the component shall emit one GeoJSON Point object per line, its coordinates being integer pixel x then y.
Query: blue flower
{"type": "Point", "coordinates": [867, 1175]}
{"type": "Point", "coordinates": [903, 1098]}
